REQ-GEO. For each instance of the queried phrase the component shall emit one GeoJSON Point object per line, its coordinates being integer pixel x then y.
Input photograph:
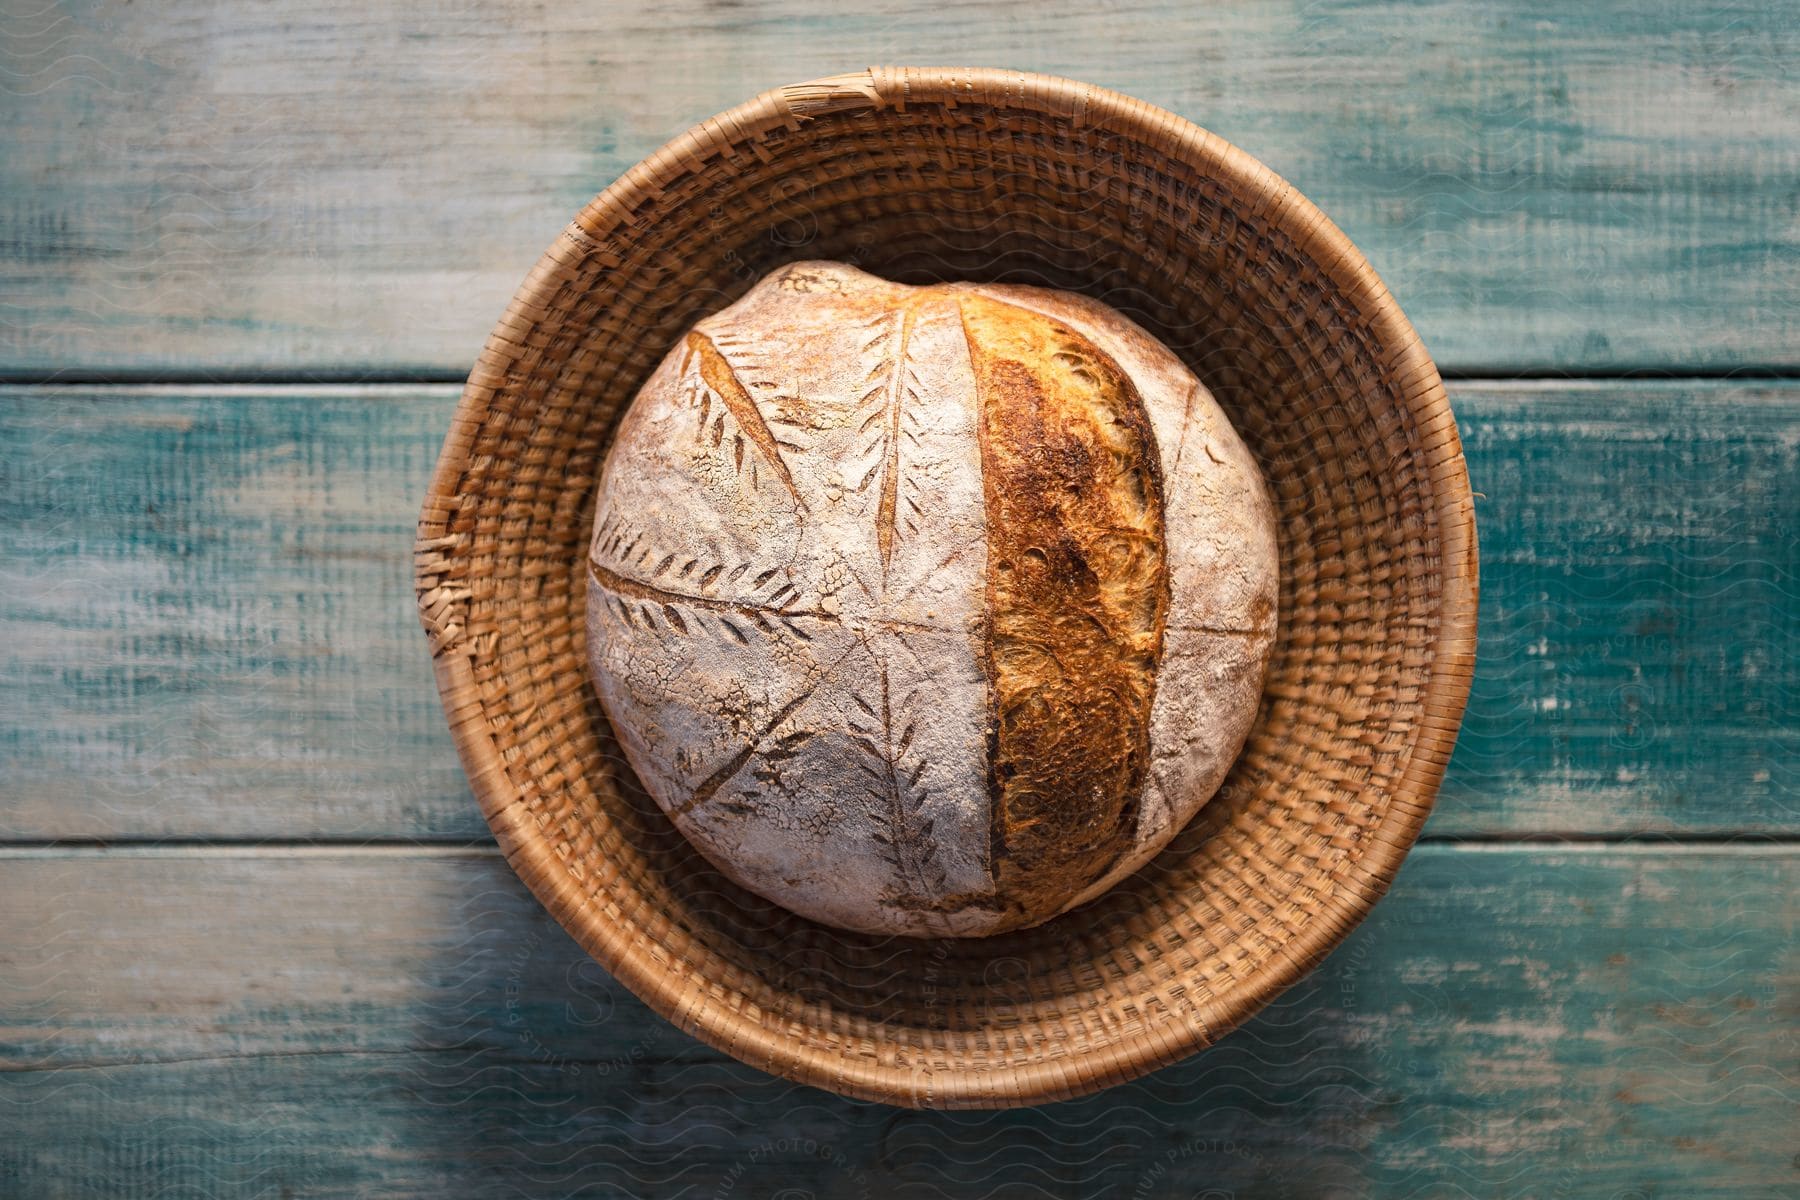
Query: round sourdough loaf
{"type": "Point", "coordinates": [928, 610]}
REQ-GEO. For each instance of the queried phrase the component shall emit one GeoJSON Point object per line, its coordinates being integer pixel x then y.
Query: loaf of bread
{"type": "Point", "coordinates": [928, 610]}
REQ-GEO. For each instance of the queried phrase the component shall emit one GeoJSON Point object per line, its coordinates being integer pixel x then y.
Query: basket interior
{"type": "Point", "coordinates": [1317, 372]}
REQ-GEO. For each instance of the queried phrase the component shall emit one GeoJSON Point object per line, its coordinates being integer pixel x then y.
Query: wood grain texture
{"type": "Point", "coordinates": [1639, 666]}
{"type": "Point", "coordinates": [1510, 1022]}
{"type": "Point", "coordinates": [206, 622]}
{"type": "Point", "coordinates": [209, 627]}
{"type": "Point", "coordinates": [195, 186]}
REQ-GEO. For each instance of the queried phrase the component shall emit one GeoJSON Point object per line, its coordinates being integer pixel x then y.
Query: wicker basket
{"type": "Point", "coordinates": [922, 174]}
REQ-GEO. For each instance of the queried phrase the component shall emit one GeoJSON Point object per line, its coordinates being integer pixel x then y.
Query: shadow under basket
{"type": "Point", "coordinates": [921, 175]}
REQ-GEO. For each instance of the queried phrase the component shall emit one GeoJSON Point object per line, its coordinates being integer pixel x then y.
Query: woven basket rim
{"type": "Point", "coordinates": [659, 980]}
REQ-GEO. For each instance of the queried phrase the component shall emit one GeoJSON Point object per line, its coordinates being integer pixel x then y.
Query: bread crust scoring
{"type": "Point", "coordinates": [931, 611]}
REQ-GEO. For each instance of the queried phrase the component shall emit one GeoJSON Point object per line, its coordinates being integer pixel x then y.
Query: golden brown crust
{"type": "Point", "coordinates": [882, 579]}
{"type": "Point", "coordinates": [724, 382]}
{"type": "Point", "coordinates": [1078, 595]}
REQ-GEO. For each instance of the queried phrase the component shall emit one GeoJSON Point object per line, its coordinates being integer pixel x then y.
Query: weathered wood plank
{"type": "Point", "coordinates": [208, 620]}
{"type": "Point", "coordinates": [206, 616]}
{"type": "Point", "coordinates": [1639, 664]}
{"type": "Point", "coordinates": [342, 186]}
{"type": "Point", "coordinates": [1511, 1022]}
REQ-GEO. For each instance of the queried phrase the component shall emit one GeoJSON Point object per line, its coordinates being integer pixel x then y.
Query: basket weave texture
{"type": "Point", "coordinates": [920, 175]}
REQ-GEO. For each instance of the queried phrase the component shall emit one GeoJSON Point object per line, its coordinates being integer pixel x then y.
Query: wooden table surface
{"type": "Point", "coordinates": [254, 937]}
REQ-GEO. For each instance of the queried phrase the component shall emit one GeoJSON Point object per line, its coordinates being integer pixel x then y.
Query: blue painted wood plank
{"type": "Point", "coordinates": [1511, 1022]}
{"type": "Point", "coordinates": [1639, 659]}
{"type": "Point", "coordinates": [207, 624]}
{"type": "Point", "coordinates": [209, 627]}
{"type": "Point", "coordinates": [195, 185]}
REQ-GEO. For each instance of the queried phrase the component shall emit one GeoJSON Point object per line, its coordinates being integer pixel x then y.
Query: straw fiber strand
{"type": "Point", "coordinates": [921, 175]}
